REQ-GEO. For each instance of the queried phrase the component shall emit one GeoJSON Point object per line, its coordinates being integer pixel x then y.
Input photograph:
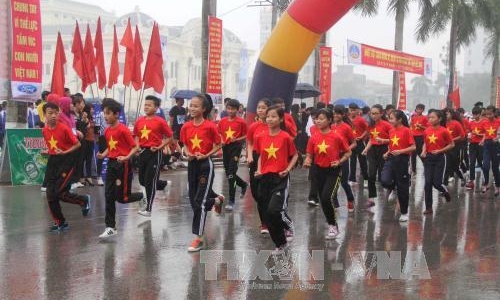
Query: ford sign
{"type": "Point", "coordinates": [27, 88]}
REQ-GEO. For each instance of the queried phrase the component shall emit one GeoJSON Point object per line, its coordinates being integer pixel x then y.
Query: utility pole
{"type": "Point", "coordinates": [209, 8]}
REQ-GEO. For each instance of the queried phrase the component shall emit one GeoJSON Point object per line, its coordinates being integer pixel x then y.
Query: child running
{"type": "Point", "coordinates": [454, 156]}
{"type": "Point", "coordinates": [201, 139]}
{"type": "Point", "coordinates": [233, 130]}
{"type": "Point", "coordinates": [277, 158]}
{"type": "Point", "coordinates": [490, 152]}
{"type": "Point", "coordinates": [61, 144]}
{"type": "Point", "coordinates": [437, 141]}
{"type": "Point", "coordinates": [418, 125]}
{"type": "Point", "coordinates": [476, 134]}
{"type": "Point", "coordinates": [330, 152]}
{"type": "Point", "coordinates": [254, 131]}
{"type": "Point", "coordinates": [360, 131]}
{"type": "Point", "coordinates": [121, 147]}
{"type": "Point", "coordinates": [395, 173]}
{"type": "Point", "coordinates": [152, 133]}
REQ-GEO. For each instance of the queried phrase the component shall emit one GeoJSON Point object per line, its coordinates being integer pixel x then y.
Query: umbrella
{"type": "Point", "coordinates": [305, 90]}
{"type": "Point", "coordinates": [346, 101]}
{"type": "Point", "coordinates": [184, 94]}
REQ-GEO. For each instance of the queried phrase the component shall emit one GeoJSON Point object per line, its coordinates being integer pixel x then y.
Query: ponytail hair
{"type": "Point", "coordinates": [400, 115]}
{"type": "Point", "coordinates": [206, 104]}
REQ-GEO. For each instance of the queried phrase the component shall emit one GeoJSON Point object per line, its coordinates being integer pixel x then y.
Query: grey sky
{"type": "Point", "coordinates": [244, 21]}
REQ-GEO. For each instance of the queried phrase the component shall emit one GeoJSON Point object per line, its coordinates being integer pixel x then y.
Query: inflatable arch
{"type": "Point", "coordinates": [290, 44]}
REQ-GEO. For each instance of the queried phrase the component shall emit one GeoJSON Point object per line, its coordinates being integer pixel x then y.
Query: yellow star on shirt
{"type": "Point", "coordinates": [53, 143]}
{"type": "Point", "coordinates": [375, 133]}
{"type": "Point", "coordinates": [476, 131]}
{"type": "Point", "coordinates": [416, 126]}
{"type": "Point", "coordinates": [322, 147]}
{"type": "Point", "coordinates": [230, 133]}
{"type": "Point", "coordinates": [145, 132]}
{"type": "Point", "coordinates": [271, 151]}
{"type": "Point", "coordinates": [491, 131]}
{"type": "Point", "coordinates": [196, 142]}
{"type": "Point", "coordinates": [450, 131]}
{"type": "Point", "coordinates": [112, 143]}
{"type": "Point", "coordinates": [354, 131]}
{"type": "Point", "coordinates": [395, 140]}
{"type": "Point", "coordinates": [432, 138]}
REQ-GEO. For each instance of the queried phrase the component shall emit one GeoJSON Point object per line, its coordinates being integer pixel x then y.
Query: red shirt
{"type": "Point", "coordinates": [400, 138]}
{"type": "Point", "coordinates": [381, 130]}
{"type": "Point", "coordinates": [255, 129]}
{"type": "Point", "coordinates": [344, 131]}
{"type": "Point", "coordinates": [466, 125]}
{"type": "Point", "coordinates": [200, 138]}
{"type": "Point", "coordinates": [436, 138]}
{"type": "Point", "coordinates": [360, 126]}
{"type": "Point", "coordinates": [490, 128]}
{"type": "Point", "coordinates": [119, 140]}
{"type": "Point", "coordinates": [60, 137]}
{"type": "Point", "coordinates": [455, 128]}
{"type": "Point", "coordinates": [151, 131]}
{"type": "Point", "coordinates": [420, 120]}
{"type": "Point", "coordinates": [232, 129]}
{"type": "Point", "coordinates": [326, 148]}
{"type": "Point", "coordinates": [275, 151]}
{"type": "Point", "coordinates": [290, 125]}
{"type": "Point", "coordinates": [476, 130]}
{"type": "Point", "coordinates": [313, 130]}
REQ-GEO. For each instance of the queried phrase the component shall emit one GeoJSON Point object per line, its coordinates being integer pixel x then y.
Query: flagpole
{"type": "Point", "coordinates": [139, 102]}
{"type": "Point", "coordinates": [97, 90]}
{"type": "Point", "coordinates": [129, 102]}
{"type": "Point", "coordinates": [92, 91]}
{"type": "Point", "coordinates": [105, 91]}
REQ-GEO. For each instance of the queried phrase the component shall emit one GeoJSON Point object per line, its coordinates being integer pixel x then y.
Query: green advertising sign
{"type": "Point", "coordinates": [27, 164]}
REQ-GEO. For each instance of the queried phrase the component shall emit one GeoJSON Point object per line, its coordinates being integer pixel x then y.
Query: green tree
{"type": "Point", "coordinates": [489, 15]}
{"type": "Point", "coordinates": [421, 85]}
{"type": "Point", "coordinates": [400, 9]}
{"type": "Point", "coordinates": [434, 18]}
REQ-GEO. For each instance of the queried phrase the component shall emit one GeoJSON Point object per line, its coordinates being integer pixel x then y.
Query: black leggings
{"type": "Point", "coordinates": [87, 157]}
{"type": "Point", "coordinates": [434, 173]}
{"type": "Point", "coordinates": [328, 183]}
{"type": "Point", "coordinates": [395, 176]}
{"type": "Point", "coordinates": [375, 166]}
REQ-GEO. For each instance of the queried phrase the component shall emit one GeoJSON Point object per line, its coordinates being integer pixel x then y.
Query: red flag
{"type": "Point", "coordinates": [77, 50]}
{"type": "Point", "coordinates": [89, 61]}
{"type": "Point", "coordinates": [138, 59]}
{"type": "Point", "coordinates": [57, 86]}
{"type": "Point", "coordinates": [99, 56]}
{"type": "Point", "coordinates": [114, 70]}
{"type": "Point", "coordinates": [128, 42]}
{"type": "Point", "coordinates": [455, 97]}
{"type": "Point", "coordinates": [153, 71]}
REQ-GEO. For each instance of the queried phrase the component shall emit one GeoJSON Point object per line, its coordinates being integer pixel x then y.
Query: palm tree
{"type": "Point", "coordinates": [489, 13]}
{"type": "Point", "coordinates": [400, 8]}
{"type": "Point", "coordinates": [435, 17]}
{"type": "Point", "coordinates": [421, 85]}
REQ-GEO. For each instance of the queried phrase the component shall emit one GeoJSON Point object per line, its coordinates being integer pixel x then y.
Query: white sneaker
{"type": "Point", "coordinates": [392, 196]}
{"type": "Point", "coordinates": [108, 232]}
{"type": "Point", "coordinates": [144, 213]}
{"type": "Point", "coordinates": [100, 182]}
{"type": "Point", "coordinates": [289, 235]}
{"type": "Point", "coordinates": [365, 184]}
{"type": "Point", "coordinates": [403, 218]}
{"type": "Point", "coordinates": [229, 207]}
{"type": "Point", "coordinates": [353, 183]}
{"type": "Point", "coordinates": [43, 189]}
{"type": "Point", "coordinates": [333, 231]}
{"type": "Point", "coordinates": [144, 202]}
{"type": "Point", "coordinates": [280, 250]}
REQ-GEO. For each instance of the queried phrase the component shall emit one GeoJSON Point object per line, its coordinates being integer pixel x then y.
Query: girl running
{"type": "Point", "coordinates": [330, 152]}
{"type": "Point", "coordinates": [375, 149]}
{"type": "Point", "coordinates": [397, 159]}
{"type": "Point", "coordinates": [454, 156]}
{"type": "Point", "coordinates": [437, 141]}
{"type": "Point", "coordinates": [201, 139]}
{"type": "Point", "coordinates": [490, 152]}
{"type": "Point", "coordinates": [254, 130]}
{"type": "Point", "coordinates": [277, 158]}
{"type": "Point", "coordinates": [475, 148]}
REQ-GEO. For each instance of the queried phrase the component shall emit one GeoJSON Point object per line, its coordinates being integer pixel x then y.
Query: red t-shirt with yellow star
{"type": "Point", "coordinates": [456, 129]}
{"type": "Point", "coordinates": [344, 130]}
{"type": "Point", "coordinates": [151, 131]}
{"type": "Point", "coordinates": [360, 126]}
{"type": "Point", "coordinates": [326, 148]}
{"type": "Point", "coordinates": [119, 140]}
{"type": "Point", "coordinates": [60, 137]}
{"type": "Point", "coordinates": [232, 129]}
{"type": "Point", "coordinates": [380, 129]}
{"type": "Point", "coordinates": [466, 125]}
{"type": "Point", "coordinates": [400, 138]}
{"type": "Point", "coordinates": [275, 151]}
{"type": "Point", "coordinates": [290, 125]}
{"type": "Point", "coordinates": [476, 130]}
{"type": "Point", "coordinates": [436, 138]}
{"type": "Point", "coordinates": [255, 129]}
{"type": "Point", "coordinates": [490, 128]}
{"type": "Point", "coordinates": [200, 138]}
{"type": "Point", "coordinates": [420, 120]}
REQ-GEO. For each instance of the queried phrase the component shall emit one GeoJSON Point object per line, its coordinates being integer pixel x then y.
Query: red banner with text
{"type": "Point", "coordinates": [325, 71]}
{"type": "Point", "coordinates": [402, 91]}
{"type": "Point", "coordinates": [498, 92]}
{"type": "Point", "coordinates": [214, 76]}
{"type": "Point", "coordinates": [26, 70]}
{"type": "Point", "coordinates": [388, 59]}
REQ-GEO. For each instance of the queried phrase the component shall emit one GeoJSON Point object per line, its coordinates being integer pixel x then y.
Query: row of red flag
{"type": "Point", "coordinates": [89, 60]}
